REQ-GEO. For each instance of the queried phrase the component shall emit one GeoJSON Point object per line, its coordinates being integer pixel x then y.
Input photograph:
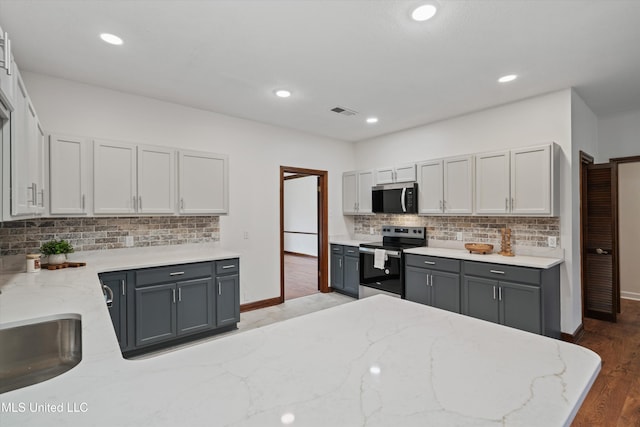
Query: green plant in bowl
{"type": "Point", "coordinates": [56, 250]}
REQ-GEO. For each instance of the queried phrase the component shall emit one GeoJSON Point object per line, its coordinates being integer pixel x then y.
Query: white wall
{"type": "Point", "coordinates": [619, 136]}
{"type": "Point", "coordinates": [256, 152]}
{"type": "Point", "coordinates": [584, 137]}
{"type": "Point", "coordinates": [301, 215]}
{"type": "Point", "coordinates": [629, 226]}
{"type": "Point", "coordinates": [543, 119]}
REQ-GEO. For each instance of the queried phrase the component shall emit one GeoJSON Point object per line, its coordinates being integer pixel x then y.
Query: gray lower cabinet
{"type": "Point", "coordinates": [345, 269]}
{"type": "Point", "coordinates": [520, 297]}
{"type": "Point", "coordinates": [160, 304]}
{"type": "Point", "coordinates": [117, 282]}
{"type": "Point", "coordinates": [433, 281]}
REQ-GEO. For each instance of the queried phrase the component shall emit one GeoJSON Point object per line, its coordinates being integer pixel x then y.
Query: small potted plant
{"type": "Point", "coordinates": [56, 250]}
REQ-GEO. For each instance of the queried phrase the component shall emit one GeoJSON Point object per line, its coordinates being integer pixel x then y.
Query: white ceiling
{"type": "Point", "coordinates": [366, 55]}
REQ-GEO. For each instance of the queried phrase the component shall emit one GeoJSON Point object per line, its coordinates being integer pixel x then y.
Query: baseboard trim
{"type": "Point", "coordinates": [260, 304]}
{"type": "Point", "coordinates": [575, 337]}
{"type": "Point", "coordinates": [300, 254]}
{"type": "Point", "coordinates": [635, 296]}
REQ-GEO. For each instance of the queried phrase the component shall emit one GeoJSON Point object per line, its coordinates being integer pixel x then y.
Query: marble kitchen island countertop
{"type": "Point", "coordinates": [518, 260]}
{"type": "Point", "coordinates": [397, 363]}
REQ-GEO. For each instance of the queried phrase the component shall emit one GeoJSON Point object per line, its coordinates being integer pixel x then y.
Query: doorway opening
{"type": "Point", "coordinates": [303, 232]}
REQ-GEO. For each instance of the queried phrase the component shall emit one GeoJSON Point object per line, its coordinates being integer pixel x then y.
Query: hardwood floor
{"type": "Point", "coordinates": [614, 399]}
{"type": "Point", "coordinates": [300, 276]}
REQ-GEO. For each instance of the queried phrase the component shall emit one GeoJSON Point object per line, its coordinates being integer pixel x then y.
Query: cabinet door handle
{"type": "Point", "coordinates": [500, 293]}
{"type": "Point", "coordinates": [431, 276]}
{"type": "Point", "coordinates": [83, 203]}
{"type": "Point", "coordinates": [357, 264]}
{"type": "Point", "coordinates": [512, 203]}
{"type": "Point", "coordinates": [430, 262]}
{"type": "Point", "coordinates": [219, 288]}
{"type": "Point", "coordinates": [441, 207]}
{"type": "Point", "coordinates": [224, 267]}
{"type": "Point", "coordinates": [140, 202]}
{"type": "Point", "coordinates": [174, 295]}
{"type": "Point", "coordinates": [182, 203]}
{"type": "Point", "coordinates": [506, 204]}
{"type": "Point", "coordinates": [496, 271]}
{"type": "Point", "coordinates": [176, 273]}
{"type": "Point", "coordinates": [340, 262]}
{"type": "Point", "coordinates": [494, 291]}
{"type": "Point", "coordinates": [179, 294]}
{"type": "Point", "coordinates": [135, 203]}
{"type": "Point", "coordinates": [124, 287]}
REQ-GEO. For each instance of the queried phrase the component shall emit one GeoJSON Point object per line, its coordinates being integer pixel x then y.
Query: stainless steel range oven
{"type": "Point", "coordinates": [382, 263]}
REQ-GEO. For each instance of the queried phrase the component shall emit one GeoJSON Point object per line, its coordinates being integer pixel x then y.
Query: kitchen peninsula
{"type": "Point", "coordinates": [397, 363]}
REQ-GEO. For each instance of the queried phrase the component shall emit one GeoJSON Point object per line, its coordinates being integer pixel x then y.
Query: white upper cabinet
{"type": "Point", "coordinates": [356, 192]}
{"type": "Point", "coordinates": [531, 181]}
{"type": "Point", "coordinates": [405, 173]}
{"type": "Point", "coordinates": [203, 183]}
{"type": "Point", "coordinates": [458, 185]}
{"type": "Point", "coordinates": [156, 180]}
{"type": "Point", "coordinates": [517, 182]}
{"type": "Point", "coordinates": [492, 183]}
{"type": "Point", "coordinates": [430, 187]}
{"type": "Point", "coordinates": [114, 178]}
{"type": "Point", "coordinates": [68, 175]}
{"type": "Point", "coordinates": [446, 186]}
{"type": "Point", "coordinates": [7, 72]}
{"type": "Point", "coordinates": [133, 179]}
{"type": "Point", "coordinates": [27, 156]}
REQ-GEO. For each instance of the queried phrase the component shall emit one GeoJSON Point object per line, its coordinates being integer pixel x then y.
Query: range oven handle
{"type": "Point", "coordinates": [403, 199]}
{"type": "Point", "coordinates": [390, 254]}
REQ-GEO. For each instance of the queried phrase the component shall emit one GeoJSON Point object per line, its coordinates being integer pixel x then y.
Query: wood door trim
{"type": "Point", "coordinates": [260, 304]}
{"type": "Point", "coordinates": [585, 160]}
{"type": "Point", "coordinates": [575, 337]}
{"type": "Point", "coordinates": [631, 159]}
{"type": "Point", "coordinates": [323, 225]}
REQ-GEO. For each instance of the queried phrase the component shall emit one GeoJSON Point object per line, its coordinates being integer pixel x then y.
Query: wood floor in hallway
{"type": "Point", "coordinates": [614, 399]}
{"type": "Point", "coordinates": [300, 276]}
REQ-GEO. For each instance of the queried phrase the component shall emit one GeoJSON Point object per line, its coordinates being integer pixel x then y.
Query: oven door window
{"type": "Point", "coordinates": [389, 279]}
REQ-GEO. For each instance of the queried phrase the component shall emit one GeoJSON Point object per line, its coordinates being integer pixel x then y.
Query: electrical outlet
{"type": "Point", "coordinates": [459, 235]}
{"type": "Point", "coordinates": [246, 235]}
{"type": "Point", "coordinates": [553, 241]}
{"type": "Point", "coordinates": [128, 241]}
{"type": "Point", "coordinates": [371, 230]}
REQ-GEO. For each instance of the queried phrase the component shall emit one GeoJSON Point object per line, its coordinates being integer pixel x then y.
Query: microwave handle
{"type": "Point", "coordinates": [403, 199]}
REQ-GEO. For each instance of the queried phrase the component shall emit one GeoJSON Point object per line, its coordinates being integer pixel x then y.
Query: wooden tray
{"type": "Point", "coordinates": [63, 265]}
{"type": "Point", "coordinates": [479, 248]}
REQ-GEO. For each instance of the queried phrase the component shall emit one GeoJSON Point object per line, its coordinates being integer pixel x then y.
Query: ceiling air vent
{"type": "Point", "coordinates": [344, 111]}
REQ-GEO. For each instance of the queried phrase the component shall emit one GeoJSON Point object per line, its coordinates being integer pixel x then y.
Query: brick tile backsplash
{"type": "Point", "coordinates": [525, 231]}
{"type": "Point", "coordinates": [26, 236]}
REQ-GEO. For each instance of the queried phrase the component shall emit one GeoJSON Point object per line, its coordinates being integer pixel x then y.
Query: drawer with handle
{"type": "Point", "coordinates": [336, 249]}
{"type": "Point", "coordinates": [227, 266]}
{"type": "Point", "coordinates": [507, 273]}
{"type": "Point", "coordinates": [351, 250]}
{"type": "Point", "coordinates": [433, 263]}
{"type": "Point", "coordinates": [173, 273]}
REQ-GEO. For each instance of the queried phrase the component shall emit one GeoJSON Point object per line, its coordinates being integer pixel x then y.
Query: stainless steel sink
{"type": "Point", "coordinates": [37, 350]}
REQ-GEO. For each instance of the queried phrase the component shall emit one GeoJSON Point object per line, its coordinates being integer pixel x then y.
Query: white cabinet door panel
{"type": "Point", "coordinates": [67, 175]}
{"type": "Point", "coordinates": [385, 176]}
{"type": "Point", "coordinates": [458, 185]}
{"type": "Point", "coordinates": [406, 173]}
{"type": "Point", "coordinates": [430, 187]}
{"type": "Point", "coordinates": [203, 183]}
{"type": "Point", "coordinates": [531, 181]}
{"type": "Point", "coordinates": [365, 182]}
{"type": "Point", "coordinates": [156, 180]}
{"type": "Point", "coordinates": [114, 178]}
{"type": "Point", "coordinates": [492, 183]}
{"type": "Point", "coordinates": [22, 195]}
{"type": "Point", "coordinates": [349, 193]}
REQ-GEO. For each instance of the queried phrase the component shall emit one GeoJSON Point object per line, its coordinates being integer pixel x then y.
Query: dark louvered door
{"type": "Point", "coordinates": [600, 258]}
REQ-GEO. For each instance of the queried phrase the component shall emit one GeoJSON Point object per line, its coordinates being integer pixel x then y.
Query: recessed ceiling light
{"type": "Point", "coordinates": [507, 78]}
{"type": "Point", "coordinates": [424, 12]}
{"type": "Point", "coordinates": [282, 93]}
{"type": "Point", "coordinates": [111, 39]}
{"type": "Point", "coordinates": [372, 120]}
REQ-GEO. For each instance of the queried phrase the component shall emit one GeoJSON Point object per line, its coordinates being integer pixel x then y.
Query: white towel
{"type": "Point", "coordinates": [379, 257]}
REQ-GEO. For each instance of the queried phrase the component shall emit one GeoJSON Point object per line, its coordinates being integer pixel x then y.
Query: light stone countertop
{"type": "Point", "coordinates": [397, 363]}
{"type": "Point", "coordinates": [517, 260]}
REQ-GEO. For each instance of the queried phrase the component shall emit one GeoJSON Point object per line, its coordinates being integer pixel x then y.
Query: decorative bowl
{"type": "Point", "coordinates": [479, 248]}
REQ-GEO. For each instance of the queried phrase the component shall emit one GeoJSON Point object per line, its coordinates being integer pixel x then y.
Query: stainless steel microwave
{"type": "Point", "coordinates": [395, 198]}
